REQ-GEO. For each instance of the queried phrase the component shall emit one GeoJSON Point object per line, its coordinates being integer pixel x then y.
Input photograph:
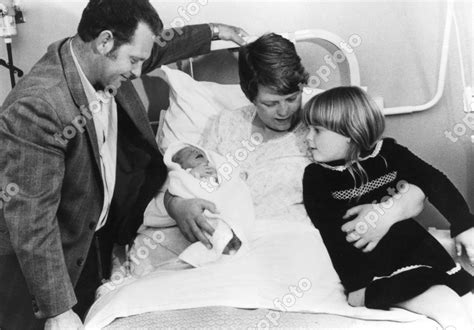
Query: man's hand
{"type": "Point", "coordinates": [466, 240]}
{"type": "Point", "coordinates": [188, 214]}
{"type": "Point", "coordinates": [231, 33]}
{"type": "Point", "coordinates": [66, 320]}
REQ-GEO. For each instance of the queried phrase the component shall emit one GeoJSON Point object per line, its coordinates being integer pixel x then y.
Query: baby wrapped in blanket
{"type": "Point", "coordinates": [194, 173]}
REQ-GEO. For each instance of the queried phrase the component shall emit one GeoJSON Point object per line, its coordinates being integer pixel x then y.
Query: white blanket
{"type": "Point", "coordinates": [280, 271]}
{"type": "Point", "coordinates": [231, 197]}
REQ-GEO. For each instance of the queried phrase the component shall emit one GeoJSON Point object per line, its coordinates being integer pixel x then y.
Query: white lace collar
{"type": "Point", "coordinates": [341, 168]}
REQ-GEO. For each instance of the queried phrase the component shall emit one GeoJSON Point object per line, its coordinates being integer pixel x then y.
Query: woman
{"type": "Point", "coordinates": [271, 76]}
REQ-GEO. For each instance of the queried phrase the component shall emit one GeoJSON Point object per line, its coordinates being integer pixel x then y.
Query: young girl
{"type": "Point", "coordinates": [353, 166]}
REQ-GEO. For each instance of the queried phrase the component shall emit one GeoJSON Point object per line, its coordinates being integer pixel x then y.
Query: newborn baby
{"type": "Point", "coordinates": [188, 167]}
{"type": "Point", "coordinates": [195, 161]}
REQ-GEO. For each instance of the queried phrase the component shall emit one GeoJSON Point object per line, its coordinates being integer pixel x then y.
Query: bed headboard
{"type": "Point", "coordinates": [221, 66]}
{"type": "Point", "coordinates": [223, 57]}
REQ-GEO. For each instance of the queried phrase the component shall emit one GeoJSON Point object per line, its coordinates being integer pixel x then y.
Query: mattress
{"type": "Point", "coordinates": [234, 318]}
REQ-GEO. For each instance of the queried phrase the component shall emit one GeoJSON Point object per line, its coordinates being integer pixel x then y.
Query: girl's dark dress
{"type": "Point", "coordinates": [407, 260]}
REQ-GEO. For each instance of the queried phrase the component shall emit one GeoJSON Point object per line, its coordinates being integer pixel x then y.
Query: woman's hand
{"type": "Point", "coordinates": [367, 228]}
{"type": "Point", "coordinates": [188, 214]}
{"type": "Point", "coordinates": [466, 240]}
{"type": "Point", "coordinates": [373, 221]}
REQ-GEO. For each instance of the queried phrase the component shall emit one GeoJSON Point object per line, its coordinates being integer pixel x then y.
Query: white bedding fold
{"type": "Point", "coordinates": [281, 270]}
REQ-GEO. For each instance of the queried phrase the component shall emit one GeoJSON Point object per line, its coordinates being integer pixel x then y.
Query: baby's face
{"type": "Point", "coordinates": [190, 157]}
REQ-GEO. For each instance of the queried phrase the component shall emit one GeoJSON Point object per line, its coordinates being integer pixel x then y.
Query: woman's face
{"type": "Point", "coordinates": [277, 112]}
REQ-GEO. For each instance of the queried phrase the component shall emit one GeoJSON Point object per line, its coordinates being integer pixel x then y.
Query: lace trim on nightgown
{"type": "Point", "coordinates": [272, 169]}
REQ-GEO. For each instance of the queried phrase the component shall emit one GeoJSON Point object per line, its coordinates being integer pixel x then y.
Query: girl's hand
{"type": "Point", "coordinates": [466, 240]}
{"type": "Point", "coordinates": [367, 228]}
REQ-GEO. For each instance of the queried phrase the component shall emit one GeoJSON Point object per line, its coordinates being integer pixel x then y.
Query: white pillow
{"type": "Point", "coordinates": [193, 104]}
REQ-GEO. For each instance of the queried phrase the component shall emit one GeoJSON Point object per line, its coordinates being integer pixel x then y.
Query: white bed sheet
{"type": "Point", "coordinates": [281, 255]}
{"type": "Point", "coordinates": [236, 318]}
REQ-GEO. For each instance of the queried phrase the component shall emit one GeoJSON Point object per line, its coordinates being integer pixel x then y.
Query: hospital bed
{"type": "Point", "coordinates": [239, 318]}
{"type": "Point", "coordinates": [220, 317]}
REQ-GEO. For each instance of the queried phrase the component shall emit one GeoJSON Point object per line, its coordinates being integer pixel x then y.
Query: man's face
{"type": "Point", "coordinates": [126, 61]}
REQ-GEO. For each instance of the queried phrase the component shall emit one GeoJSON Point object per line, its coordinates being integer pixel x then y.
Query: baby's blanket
{"type": "Point", "coordinates": [231, 196]}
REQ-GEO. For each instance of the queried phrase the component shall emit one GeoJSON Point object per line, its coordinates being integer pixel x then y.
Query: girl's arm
{"type": "Point", "coordinates": [437, 187]}
{"type": "Point", "coordinates": [442, 194]}
{"type": "Point", "coordinates": [316, 198]}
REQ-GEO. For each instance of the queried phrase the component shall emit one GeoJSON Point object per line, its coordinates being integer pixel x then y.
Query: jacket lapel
{"type": "Point", "coordinates": [77, 91]}
{"type": "Point", "coordinates": [127, 97]}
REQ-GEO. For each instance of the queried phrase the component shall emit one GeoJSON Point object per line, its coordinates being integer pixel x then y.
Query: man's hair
{"type": "Point", "coordinates": [270, 61]}
{"type": "Point", "coordinates": [121, 17]}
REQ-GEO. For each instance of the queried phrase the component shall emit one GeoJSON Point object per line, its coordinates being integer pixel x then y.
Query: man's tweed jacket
{"type": "Point", "coordinates": [47, 227]}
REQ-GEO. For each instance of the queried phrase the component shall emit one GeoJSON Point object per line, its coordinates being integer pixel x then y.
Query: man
{"type": "Point", "coordinates": [76, 142]}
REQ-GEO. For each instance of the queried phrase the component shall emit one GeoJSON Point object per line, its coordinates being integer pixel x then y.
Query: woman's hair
{"type": "Point", "coordinates": [270, 61]}
{"type": "Point", "coordinates": [121, 17]}
{"type": "Point", "coordinates": [350, 112]}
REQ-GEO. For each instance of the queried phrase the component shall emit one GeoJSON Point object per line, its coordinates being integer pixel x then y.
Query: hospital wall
{"type": "Point", "coordinates": [399, 58]}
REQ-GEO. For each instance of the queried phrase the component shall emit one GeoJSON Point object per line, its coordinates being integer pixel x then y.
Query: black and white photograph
{"type": "Point", "coordinates": [225, 164]}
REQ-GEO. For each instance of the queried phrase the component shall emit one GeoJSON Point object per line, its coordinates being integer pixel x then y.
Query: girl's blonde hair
{"type": "Point", "coordinates": [350, 112]}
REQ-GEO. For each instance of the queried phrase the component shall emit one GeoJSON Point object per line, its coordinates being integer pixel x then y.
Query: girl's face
{"type": "Point", "coordinates": [325, 145]}
{"type": "Point", "coordinates": [277, 112]}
